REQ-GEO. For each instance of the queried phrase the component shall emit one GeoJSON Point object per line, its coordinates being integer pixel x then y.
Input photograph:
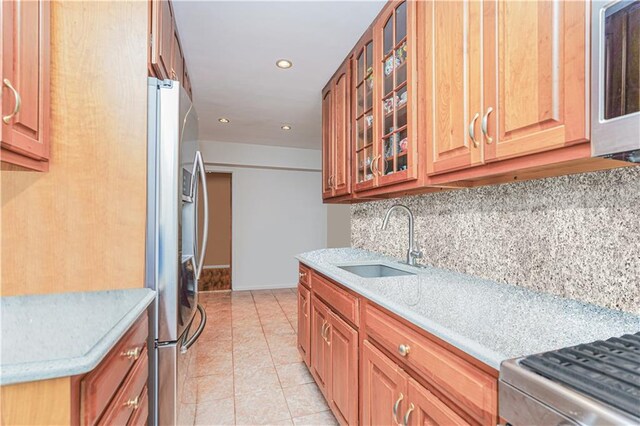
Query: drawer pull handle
{"type": "Point", "coordinates": [304, 308]}
{"type": "Point", "coordinates": [395, 408]}
{"type": "Point", "coordinates": [133, 403]}
{"type": "Point", "coordinates": [407, 414]}
{"type": "Point", "coordinates": [403, 350]}
{"type": "Point", "coordinates": [326, 335]}
{"type": "Point", "coordinates": [132, 353]}
{"type": "Point", "coordinates": [302, 274]}
{"type": "Point", "coordinates": [485, 125]}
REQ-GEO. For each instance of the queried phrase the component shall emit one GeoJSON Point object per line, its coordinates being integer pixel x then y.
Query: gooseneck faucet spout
{"type": "Point", "coordinates": [412, 253]}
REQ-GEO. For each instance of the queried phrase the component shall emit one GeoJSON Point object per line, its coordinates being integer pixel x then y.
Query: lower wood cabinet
{"type": "Point", "coordinates": [388, 372]}
{"type": "Point", "coordinates": [304, 324]}
{"type": "Point", "coordinates": [115, 392]}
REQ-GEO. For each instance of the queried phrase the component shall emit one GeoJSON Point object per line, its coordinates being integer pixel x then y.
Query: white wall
{"type": "Point", "coordinates": [277, 210]}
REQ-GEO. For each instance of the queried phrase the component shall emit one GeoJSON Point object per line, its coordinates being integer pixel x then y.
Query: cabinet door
{"type": "Point", "coordinates": [384, 388]}
{"type": "Point", "coordinates": [426, 409]}
{"type": "Point", "coordinates": [343, 395]}
{"type": "Point", "coordinates": [161, 37]}
{"type": "Point", "coordinates": [320, 356]}
{"type": "Point", "coordinates": [304, 323]}
{"type": "Point", "coordinates": [342, 136]}
{"type": "Point", "coordinates": [454, 83]}
{"type": "Point", "coordinates": [177, 60]}
{"type": "Point", "coordinates": [396, 100]}
{"type": "Point", "coordinates": [538, 90]}
{"type": "Point", "coordinates": [327, 142]}
{"type": "Point", "coordinates": [25, 85]}
{"type": "Point", "coordinates": [364, 150]}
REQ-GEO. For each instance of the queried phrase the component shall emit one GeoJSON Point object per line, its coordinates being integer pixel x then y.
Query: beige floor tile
{"type": "Point", "coordinates": [304, 400]}
{"type": "Point", "coordinates": [278, 328]}
{"type": "Point", "coordinates": [208, 364]}
{"type": "Point", "coordinates": [250, 380]}
{"type": "Point", "coordinates": [293, 374]}
{"type": "Point", "coordinates": [211, 388]}
{"type": "Point", "coordinates": [187, 414]}
{"type": "Point", "coordinates": [319, 419]}
{"type": "Point", "coordinates": [262, 408]}
{"type": "Point", "coordinates": [285, 355]}
{"type": "Point", "coordinates": [220, 412]}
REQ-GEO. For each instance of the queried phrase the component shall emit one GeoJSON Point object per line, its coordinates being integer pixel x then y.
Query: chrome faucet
{"type": "Point", "coordinates": [412, 253]}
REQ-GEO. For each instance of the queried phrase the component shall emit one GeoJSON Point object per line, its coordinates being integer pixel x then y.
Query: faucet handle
{"type": "Point", "coordinates": [417, 254]}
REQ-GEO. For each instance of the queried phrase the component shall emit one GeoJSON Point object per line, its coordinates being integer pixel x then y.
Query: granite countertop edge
{"type": "Point", "coordinates": [52, 369]}
{"type": "Point", "coordinates": [467, 344]}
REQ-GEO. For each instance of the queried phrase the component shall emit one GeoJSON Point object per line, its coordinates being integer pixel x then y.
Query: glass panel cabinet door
{"type": "Point", "coordinates": [395, 143]}
{"type": "Point", "coordinates": [363, 118]}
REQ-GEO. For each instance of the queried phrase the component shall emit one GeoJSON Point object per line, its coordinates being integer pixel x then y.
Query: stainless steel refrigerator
{"type": "Point", "coordinates": [175, 246]}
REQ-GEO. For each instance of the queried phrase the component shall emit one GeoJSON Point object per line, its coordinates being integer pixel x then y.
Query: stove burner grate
{"type": "Point", "coordinates": [607, 370]}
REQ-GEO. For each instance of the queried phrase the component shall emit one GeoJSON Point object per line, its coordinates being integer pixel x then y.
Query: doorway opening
{"type": "Point", "coordinates": [216, 272]}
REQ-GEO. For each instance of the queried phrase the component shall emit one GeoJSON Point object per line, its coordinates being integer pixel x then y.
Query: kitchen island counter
{"type": "Point", "coordinates": [66, 334]}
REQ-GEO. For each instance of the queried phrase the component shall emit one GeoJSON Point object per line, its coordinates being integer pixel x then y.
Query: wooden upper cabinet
{"type": "Point", "coordinates": [452, 83]}
{"type": "Point", "coordinates": [26, 83]}
{"type": "Point", "coordinates": [162, 38]}
{"type": "Point", "coordinates": [362, 86]}
{"type": "Point", "coordinates": [177, 60]}
{"type": "Point", "coordinates": [395, 103]}
{"type": "Point", "coordinates": [384, 393]}
{"type": "Point", "coordinates": [342, 137]}
{"type": "Point", "coordinates": [342, 340]}
{"type": "Point", "coordinates": [538, 90]}
{"type": "Point", "coordinates": [327, 141]}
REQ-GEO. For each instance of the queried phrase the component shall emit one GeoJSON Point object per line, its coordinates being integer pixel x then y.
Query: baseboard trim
{"type": "Point", "coordinates": [263, 287]}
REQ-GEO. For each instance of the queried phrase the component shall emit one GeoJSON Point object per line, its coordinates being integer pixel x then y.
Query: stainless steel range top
{"type": "Point", "coordinates": [589, 384]}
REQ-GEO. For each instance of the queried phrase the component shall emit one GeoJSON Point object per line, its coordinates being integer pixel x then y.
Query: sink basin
{"type": "Point", "coordinates": [375, 271]}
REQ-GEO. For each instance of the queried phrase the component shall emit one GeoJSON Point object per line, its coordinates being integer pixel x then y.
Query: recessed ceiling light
{"type": "Point", "coordinates": [286, 127]}
{"type": "Point", "coordinates": [284, 64]}
{"type": "Point", "coordinates": [223, 120]}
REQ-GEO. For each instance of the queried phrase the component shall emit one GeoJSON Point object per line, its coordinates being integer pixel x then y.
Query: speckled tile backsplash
{"type": "Point", "coordinates": [575, 236]}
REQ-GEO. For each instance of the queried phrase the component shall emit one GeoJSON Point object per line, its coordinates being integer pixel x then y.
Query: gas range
{"type": "Point", "coordinates": [588, 384]}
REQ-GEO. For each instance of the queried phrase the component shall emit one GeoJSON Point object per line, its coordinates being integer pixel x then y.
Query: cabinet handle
{"type": "Point", "coordinates": [395, 408]}
{"type": "Point", "coordinates": [381, 157]}
{"type": "Point", "coordinates": [326, 334]}
{"type": "Point", "coordinates": [16, 107]}
{"type": "Point", "coordinates": [485, 125]}
{"type": "Point", "coordinates": [407, 414]}
{"type": "Point", "coordinates": [132, 353]}
{"type": "Point", "coordinates": [304, 309]}
{"type": "Point", "coordinates": [324, 324]}
{"type": "Point", "coordinates": [404, 350]}
{"type": "Point", "coordinates": [302, 274]}
{"type": "Point", "coordinates": [374, 165]}
{"type": "Point", "coordinates": [472, 129]}
{"type": "Point", "coordinates": [133, 403]}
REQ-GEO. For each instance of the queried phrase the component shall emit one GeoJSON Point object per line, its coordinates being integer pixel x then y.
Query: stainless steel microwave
{"type": "Point", "coordinates": [615, 82]}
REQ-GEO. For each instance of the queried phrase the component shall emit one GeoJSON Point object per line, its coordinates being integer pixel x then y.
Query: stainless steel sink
{"type": "Point", "coordinates": [375, 271]}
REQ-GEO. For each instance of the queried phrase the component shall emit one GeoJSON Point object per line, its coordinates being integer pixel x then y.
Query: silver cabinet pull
{"type": "Point", "coordinates": [304, 308]}
{"type": "Point", "coordinates": [395, 408]}
{"type": "Point", "coordinates": [374, 165]}
{"type": "Point", "coordinates": [407, 414]}
{"type": "Point", "coordinates": [16, 107]}
{"type": "Point", "coordinates": [485, 125]}
{"type": "Point", "coordinates": [324, 324]}
{"type": "Point", "coordinates": [472, 129]}
{"type": "Point", "coordinates": [403, 350]}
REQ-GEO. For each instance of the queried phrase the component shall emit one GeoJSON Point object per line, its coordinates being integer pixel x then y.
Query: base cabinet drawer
{"type": "Point", "coordinates": [474, 390]}
{"type": "Point", "coordinates": [128, 400]}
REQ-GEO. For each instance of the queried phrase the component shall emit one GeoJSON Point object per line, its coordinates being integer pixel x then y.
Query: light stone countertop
{"type": "Point", "coordinates": [488, 320]}
{"type": "Point", "coordinates": [58, 335]}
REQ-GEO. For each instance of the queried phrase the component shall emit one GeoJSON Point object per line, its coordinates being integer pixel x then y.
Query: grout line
{"type": "Point", "coordinates": [271, 355]}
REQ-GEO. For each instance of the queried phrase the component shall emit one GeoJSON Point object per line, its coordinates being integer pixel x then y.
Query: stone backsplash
{"type": "Point", "coordinates": [574, 236]}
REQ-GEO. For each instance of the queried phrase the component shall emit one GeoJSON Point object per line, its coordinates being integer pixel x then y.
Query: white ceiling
{"type": "Point", "coordinates": [231, 48]}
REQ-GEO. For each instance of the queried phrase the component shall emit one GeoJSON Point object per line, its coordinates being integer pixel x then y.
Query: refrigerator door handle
{"type": "Point", "coordinates": [198, 167]}
{"type": "Point", "coordinates": [203, 321]}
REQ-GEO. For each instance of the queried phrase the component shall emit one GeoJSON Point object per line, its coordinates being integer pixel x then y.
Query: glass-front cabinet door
{"type": "Point", "coordinates": [363, 124]}
{"type": "Point", "coordinates": [395, 95]}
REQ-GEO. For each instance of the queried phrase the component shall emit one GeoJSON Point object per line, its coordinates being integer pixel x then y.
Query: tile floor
{"type": "Point", "coordinates": [246, 369]}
